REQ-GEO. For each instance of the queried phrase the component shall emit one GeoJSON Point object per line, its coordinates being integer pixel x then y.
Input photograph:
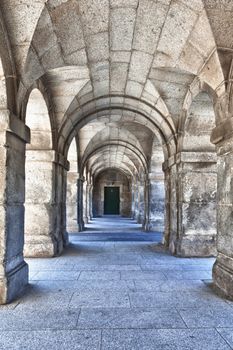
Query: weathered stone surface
{"type": "Point", "coordinates": [13, 269]}
{"type": "Point", "coordinates": [136, 84]}
{"type": "Point", "coordinates": [223, 268]}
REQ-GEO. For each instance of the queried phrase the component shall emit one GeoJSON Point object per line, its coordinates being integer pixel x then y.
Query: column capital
{"type": "Point", "coordinates": [10, 123]}
{"type": "Point", "coordinates": [61, 160]}
{"type": "Point", "coordinates": [81, 178]}
{"type": "Point", "coordinates": [222, 131]}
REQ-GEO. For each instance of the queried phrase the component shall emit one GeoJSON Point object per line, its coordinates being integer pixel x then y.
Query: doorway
{"type": "Point", "coordinates": [111, 200]}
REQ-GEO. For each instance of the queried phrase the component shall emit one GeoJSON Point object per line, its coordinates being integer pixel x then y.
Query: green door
{"type": "Point", "coordinates": [111, 200]}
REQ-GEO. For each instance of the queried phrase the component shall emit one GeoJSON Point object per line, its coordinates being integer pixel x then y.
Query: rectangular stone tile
{"type": "Point", "coordinates": [80, 285]}
{"type": "Point", "coordinates": [99, 275]}
{"type": "Point", "coordinates": [216, 316]}
{"type": "Point", "coordinates": [77, 248]}
{"type": "Point", "coordinates": [54, 267]}
{"type": "Point", "coordinates": [130, 318]}
{"type": "Point", "coordinates": [56, 286]}
{"type": "Point", "coordinates": [106, 285]}
{"type": "Point", "coordinates": [174, 299]}
{"type": "Point", "coordinates": [28, 319]}
{"type": "Point", "coordinates": [198, 267]}
{"type": "Point", "coordinates": [184, 285]}
{"type": "Point", "coordinates": [45, 300]}
{"type": "Point", "coordinates": [97, 299]}
{"type": "Point", "coordinates": [188, 275]}
{"type": "Point", "coordinates": [56, 275]}
{"type": "Point", "coordinates": [161, 267]}
{"type": "Point", "coordinates": [50, 339]}
{"type": "Point", "coordinates": [41, 262]}
{"type": "Point", "coordinates": [148, 285]}
{"type": "Point", "coordinates": [104, 259]}
{"type": "Point", "coordinates": [163, 260]}
{"type": "Point", "coordinates": [179, 339]}
{"type": "Point", "coordinates": [108, 267]}
{"type": "Point", "coordinates": [170, 286]}
{"type": "Point", "coordinates": [143, 275]}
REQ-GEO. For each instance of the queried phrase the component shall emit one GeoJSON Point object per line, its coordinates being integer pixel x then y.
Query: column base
{"type": "Point", "coordinates": [196, 246]}
{"type": "Point", "coordinates": [140, 219]}
{"type": "Point", "coordinates": [155, 225]}
{"type": "Point", "coordinates": [223, 276]}
{"type": "Point", "coordinates": [85, 220]}
{"type": "Point", "coordinates": [72, 228]}
{"type": "Point", "coordinates": [42, 247]}
{"type": "Point", "coordinates": [65, 239]}
{"type": "Point", "coordinates": [81, 226]}
{"type": "Point", "coordinates": [14, 282]}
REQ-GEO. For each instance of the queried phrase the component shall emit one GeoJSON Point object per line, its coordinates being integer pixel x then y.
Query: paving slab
{"type": "Point", "coordinates": [96, 299]}
{"type": "Point", "coordinates": [130, 318]}
{"type": "Point", "coordinates": [50, 339]}
{"type": "Point", "coordinates": [215, 316]}
{"type": "Point", "coordinates": [116, 287]}
{"type": "Point", "coordinates": [163, 339]}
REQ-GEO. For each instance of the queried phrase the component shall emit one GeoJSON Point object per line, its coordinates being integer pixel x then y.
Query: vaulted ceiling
{"type": "Point", "coordinates": [119, 72]}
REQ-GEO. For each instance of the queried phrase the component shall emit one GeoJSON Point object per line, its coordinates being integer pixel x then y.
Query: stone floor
{"type": "Point", "coordinates": [116, 288]}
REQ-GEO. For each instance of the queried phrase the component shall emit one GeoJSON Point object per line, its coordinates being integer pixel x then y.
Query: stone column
{"type": "Point", "coordinates": [223, 267]}
{"type": "Point", "coordinates": [141, 203]}
{"type": "Point", "coordinates": [167, 188]}
{"type": "Point", "coordinates": [44, 221]}
{"type": "Point", "coordinates": [135, 214]}
{"type": "Point", "coordinates": [85, 202]}
{"type": "Point", "coordinates": [88, 215]}
{"type": "Point", "coordinates": [91, 201]}
{"type": "Point", "coordinates": [197, 188]}
{"type": "Point", "coordinates": [39, 204]}
{"type": "Point", "coordinates": [13, 269]}
{"type": "Point", "coordinates": [171, 204]}
{"type": "Point", "coordinates": [156, 203]}
{"type": "Point", "coordinates": [195, 220]}
{"type": "Point", "coordinates": [132, 201]}
{"type": "Point", "coordinates": [134, 196]}
{"type": "Point", "coordinates": [61, 166]}
{"type": "Point", "coordinates": [62, 230]}
{"type": "Point", "coordinates": [71, 202]}
{"type": "Point", "coordinates": [146, 220]}
{"type": "Point", "coordinates": [80, 182]}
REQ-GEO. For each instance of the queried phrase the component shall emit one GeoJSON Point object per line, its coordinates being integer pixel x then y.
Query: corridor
{"type": "Point", "coordinates": [115, 287]}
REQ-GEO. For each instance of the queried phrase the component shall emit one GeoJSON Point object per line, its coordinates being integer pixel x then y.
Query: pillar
{"type": "Point", "coordinates": [167, 236]}
{"type": "Point", "coordinates": [71, 202]}
{"type": "Point", "coordinates": [156, 203]}
{"type": "Point", "coordinates": [91, 201]}
{"type": "Point", "coordinates": [171, 205]}
{"type": "Point", "coordinates": [223, 267]}
{"type": "Point", "coordinates": [13, 269]}
{"type": "Point", "coordinates": [193, 207]}
{"type": "Point", "coordinates": [135, 200]}
{"type": "Point", "coordinates": [85, 202]}
{"type": "Point", "coordinates": [146, 220]}
{"type": "Point", "coordinates": [44, 220]}
{"type": "Point", "coordinates": [87, 214]}
{"type": "Point", "coordinates": [141, 203]}
{"type": "Point", "coordinates": [80, 182]}
{"type": "Point", "coordinates": [132, 200]}
{"type": "Point", "coordinates": [63, 166]}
